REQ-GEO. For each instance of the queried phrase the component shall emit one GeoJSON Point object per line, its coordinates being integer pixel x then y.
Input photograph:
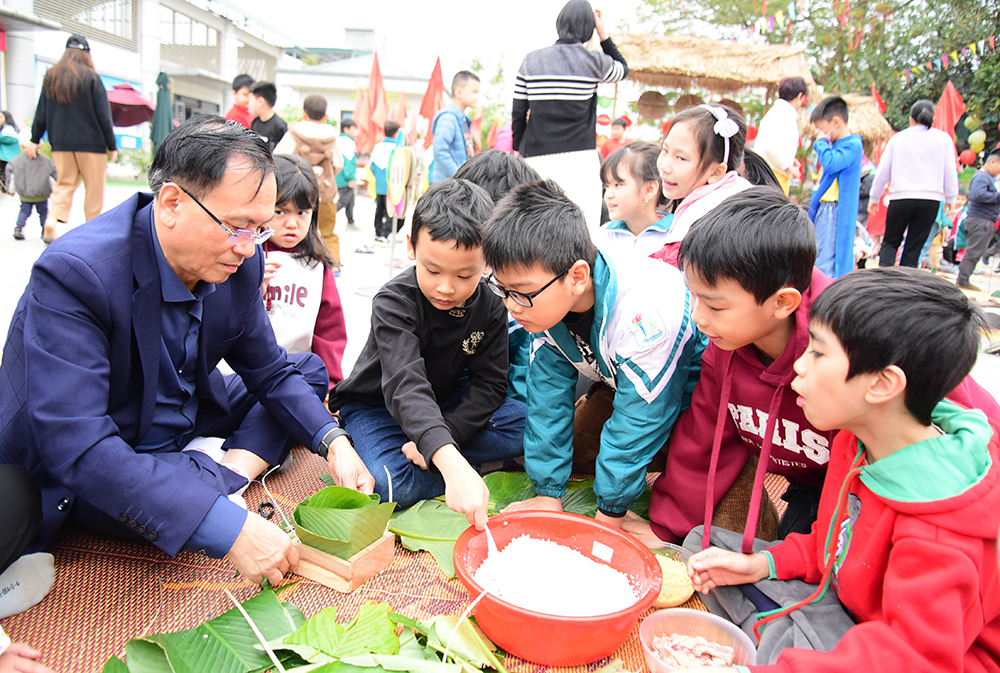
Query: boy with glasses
{"type": "Point", "coordinates": [629, 327]}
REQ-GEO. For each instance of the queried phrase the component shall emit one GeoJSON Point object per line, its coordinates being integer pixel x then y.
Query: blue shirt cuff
{"type": "Point", "coordinates": [218, 531]}
{"type": "Point", "coordinates": [321, 434]}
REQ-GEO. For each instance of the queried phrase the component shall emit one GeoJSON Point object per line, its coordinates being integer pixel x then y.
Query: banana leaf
{"type": "Point", "coordinates": [430, 526]}
{"type": "Point", "coordinates": [370, 632]}
{"type": "Point", "coordinates": [340, 521]}
{"type": "Point", "coordinates": [504, 485]}
{"type": "Point", "coordinates": [114, 665]}
{"type": "Point", "coordinates": [225, 644]}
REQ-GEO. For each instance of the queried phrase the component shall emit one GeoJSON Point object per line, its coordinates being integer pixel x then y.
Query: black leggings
{"type": "Point", "coordinates": [21, 501]}
{"type": "Point", "coordinates": [914, 218]}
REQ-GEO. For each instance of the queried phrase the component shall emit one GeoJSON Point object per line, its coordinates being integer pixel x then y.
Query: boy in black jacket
{"type": "Point", "coordinates": [426, 402]}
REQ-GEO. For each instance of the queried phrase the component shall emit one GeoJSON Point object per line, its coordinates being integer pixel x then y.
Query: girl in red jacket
{"type": "Point", "coordinates": [300, 292]}
{"type": "Point", "coordinates": [900, 569]}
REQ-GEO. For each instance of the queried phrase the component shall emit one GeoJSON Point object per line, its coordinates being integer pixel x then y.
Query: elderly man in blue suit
{"type": "Point", "coordinates": [109, 369]}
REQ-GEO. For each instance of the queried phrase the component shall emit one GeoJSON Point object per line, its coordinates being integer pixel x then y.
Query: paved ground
{"type": "Point", "coordinates": [363, 274]}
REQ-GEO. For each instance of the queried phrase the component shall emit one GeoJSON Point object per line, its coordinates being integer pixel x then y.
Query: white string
{"type": "Point", "coordinates": [458, 625]}
{"type": "Point", "coordinates": [274, 501]}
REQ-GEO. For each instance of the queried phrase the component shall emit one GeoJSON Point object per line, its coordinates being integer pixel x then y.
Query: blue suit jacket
{"type": "Point", "coordinates": [79, 376]}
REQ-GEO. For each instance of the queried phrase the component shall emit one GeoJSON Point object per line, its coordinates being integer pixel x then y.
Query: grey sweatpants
{"type": "Point", "coordinates": [819, 626]}
{"type": "Point", "coordinates": [978, 231]}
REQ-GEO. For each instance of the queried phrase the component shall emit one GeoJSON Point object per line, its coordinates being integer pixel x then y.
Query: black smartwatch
{"type": "Point", "coordinates": [323, 450]}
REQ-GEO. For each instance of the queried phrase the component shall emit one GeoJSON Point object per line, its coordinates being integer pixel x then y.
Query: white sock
{"type": "Point", "coordinates": [26, 582]}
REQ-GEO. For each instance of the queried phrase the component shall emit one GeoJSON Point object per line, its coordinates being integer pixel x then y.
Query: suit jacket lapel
{"type": "Point", "coordinates": [147, 309]}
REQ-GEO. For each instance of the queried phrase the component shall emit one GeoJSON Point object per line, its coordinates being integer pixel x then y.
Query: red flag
{"type": "Point", "coordinates": [433, 100]}
{"type": "Point", "coordinates": [362, 117]}
{"type": "Point", "coordinates": [949, 109]}
{"type": "Point", "coordinates": [878, 100]}
{"type": "Point", "coordinates": [399, 110]}
{"type": "Point", "coordinates": [379, 105]}
{"type": "Point", "coordinates": [491, 136]}
{"type": "Point", "coordinates": [477, 129]}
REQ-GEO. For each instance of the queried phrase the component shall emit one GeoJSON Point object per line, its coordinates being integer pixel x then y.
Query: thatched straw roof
{"type": "Point", "coordinates": [863, 119]}
{"type": "Point", "coordinates": [682, 62]}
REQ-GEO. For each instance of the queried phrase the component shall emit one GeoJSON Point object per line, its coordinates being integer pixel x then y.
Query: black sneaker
{"type": "Point", "coordinates": [19, 233]}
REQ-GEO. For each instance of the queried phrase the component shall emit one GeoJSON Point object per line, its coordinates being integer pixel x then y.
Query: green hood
{"type": "Point", "coordinates": [938, 468]}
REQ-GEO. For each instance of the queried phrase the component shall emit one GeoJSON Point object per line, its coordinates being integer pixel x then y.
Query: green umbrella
{"type": "Point", "coordinates": [163, 118]}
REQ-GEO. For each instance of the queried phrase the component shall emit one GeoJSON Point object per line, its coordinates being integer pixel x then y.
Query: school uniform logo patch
{"type": "Point", "coordinates": [645, 329]}
{"type": "Point", "coordinates": [469, 345]}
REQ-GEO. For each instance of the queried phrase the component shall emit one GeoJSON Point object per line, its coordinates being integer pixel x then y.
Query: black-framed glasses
{"type": "Point", "coordinates": [520, 298]}
{"type": "Point", "coordinates": [239, 236]}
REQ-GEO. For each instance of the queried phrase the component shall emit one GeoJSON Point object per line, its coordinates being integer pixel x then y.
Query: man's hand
{"type": "Point", "coordinates": [602, 33]}
{"type": "Point", "coordinates": [353, 184]}
{"type": "Point", "coordinates": [539, 502]}
{"type": "Point", "coordinates": [347, 468]}
{"type": "Point", "coordinates": [464, 490]}
{"type": "Point", "coordinates": [31, 149]}
{"type": "Point", "coordinates": [262, 550]}
{"type": "Point", "coordinates": [413, 454]}
{"type": "Point", "coordinates": [716, 567]}
{"type": "Point", "coordinates": [112, 156]}
{"type": "Point", "coordinates": [871, 207]}
{"type": "Point", "coordinates": [21, 658]}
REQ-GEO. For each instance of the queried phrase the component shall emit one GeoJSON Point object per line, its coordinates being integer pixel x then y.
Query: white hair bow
{"type": "Point", "coordinates": [724, 126]}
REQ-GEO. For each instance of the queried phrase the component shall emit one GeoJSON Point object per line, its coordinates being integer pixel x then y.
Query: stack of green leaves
{"type": "Point", "coordinates": [367, 644]}
{"type": "Point", "coordinates": [340, 521]}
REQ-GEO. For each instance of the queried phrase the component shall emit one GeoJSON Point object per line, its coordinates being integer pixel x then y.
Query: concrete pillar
{"type": "Point", "coordinates": [149, 46]}
{"type": "Point", "coordinates": [21, 95]}
{"type": "Point", "coordinates": [229, 61]}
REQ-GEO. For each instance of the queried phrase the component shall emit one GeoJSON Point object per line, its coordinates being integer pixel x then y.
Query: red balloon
{"type": "Point", "coordinates": [665, 127]}
{"type": "Point", "coordinates": [967, 157]}
{"type": "Point", "coordinates": [752, 132]}
{"type": "Point", "coordinates": [628, 122]}
{"type": "Point", "coordinates": [603, 120]}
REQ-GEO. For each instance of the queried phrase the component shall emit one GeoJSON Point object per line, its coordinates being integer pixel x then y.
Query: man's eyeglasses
{"type": "Point", "coordinates": [521, 298]}
{"type": "Point", "coordinates": [239, 236]}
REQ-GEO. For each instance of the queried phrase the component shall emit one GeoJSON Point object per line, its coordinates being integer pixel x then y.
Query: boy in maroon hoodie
{"type": "Point", "coordinates": [900, 568]}
{"type": "Point", "coordinates": [750, 264]}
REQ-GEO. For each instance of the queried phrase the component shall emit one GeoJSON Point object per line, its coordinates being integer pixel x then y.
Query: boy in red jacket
{"type": "Point", "coordinates": [750, 264]}
{"type": "Point", "coordinates": [908, 518]}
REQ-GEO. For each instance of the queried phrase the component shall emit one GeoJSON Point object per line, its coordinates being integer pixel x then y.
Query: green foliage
{"type": "Point", "coordinates": [139, 160]}
{"type": "Point", "coordinates": [492, 96]}
{"type": "Point", "coordinates": [340, 521]}
{"type": "Point", "coordinates": [850, 45]}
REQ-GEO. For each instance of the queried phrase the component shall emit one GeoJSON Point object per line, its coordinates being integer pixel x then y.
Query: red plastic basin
{"type": "Point", "coordinates": [549, 639]}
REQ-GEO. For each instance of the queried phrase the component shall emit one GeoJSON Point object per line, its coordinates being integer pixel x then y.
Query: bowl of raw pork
{"type": "Point", "coordinates": [564, 589]}
{"type": "Point", "coordinates": [680, 638]}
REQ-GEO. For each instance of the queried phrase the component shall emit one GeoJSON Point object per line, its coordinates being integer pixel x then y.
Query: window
{"type": "Point", "coordinates": [113, 16]}
{"type": "Point", "coordinates": [180, 29]}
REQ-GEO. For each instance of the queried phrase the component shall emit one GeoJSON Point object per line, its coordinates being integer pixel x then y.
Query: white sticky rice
{"type": "Point", "coordinates": [546, 577]}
